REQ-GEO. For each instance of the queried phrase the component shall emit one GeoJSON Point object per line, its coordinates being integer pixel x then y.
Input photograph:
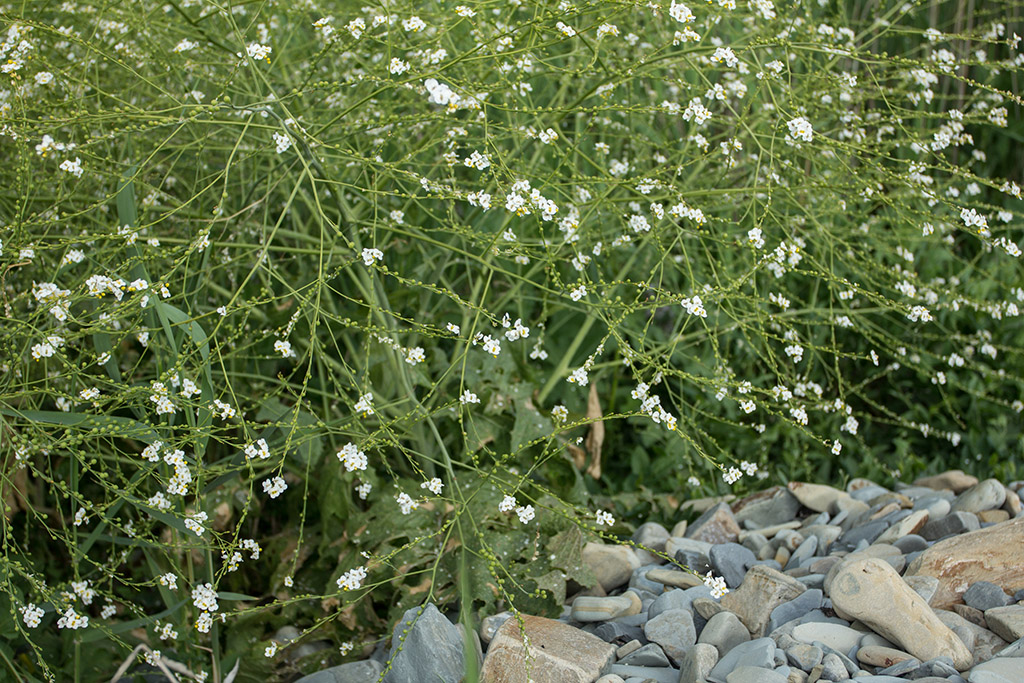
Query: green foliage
{"type": "Point", "coordinates": [339, 312]}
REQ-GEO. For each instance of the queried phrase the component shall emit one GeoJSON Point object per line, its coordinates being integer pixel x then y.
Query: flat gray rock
{"type": "Point", "coordinates": [660, 675]}
{"type": "Point", "coordinates": [759, 653]}
{"type": "Point", "coordinates": [725, 631]}
{"type": "Point", "coordinates": [997, 671]}
{"type": "Point", "coordinates": [648, 655]}
{"type": "Point", "coordinates": [1006, 622]}
{"type": "Point", "coordinates": [731, 561]}
{"type": "Point", "coordinates": [754, 674]}
{"type": "Point", "coordinates": [795, 608]}
{"type": "Point", "coordinates": [803, 656]}
{"type": "Point", "coordinates": [673, 630]}
{"type": "Point", "coordinates": [353, 672]}
{"type": "Point", "coordinates": [985, 595]}
{"type": "Point", "coordinates": [431, 648]}
{"type": "Point", "coordinates": [954, 523]}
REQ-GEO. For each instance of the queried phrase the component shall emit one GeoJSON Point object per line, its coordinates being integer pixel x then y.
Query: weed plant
{"type": "Point", "coordinates": [317, 311]}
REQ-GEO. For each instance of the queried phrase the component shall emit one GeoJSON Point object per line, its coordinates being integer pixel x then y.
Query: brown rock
{"type": "Point", "coordinates": [991, 554]}
{"type": "Point", "coordinates": [763, 589]}
{"type": "Point", "coordinates": [993, 516]}
{"type": "Point", "coordinates": [875, 655]}
{"type": "Point", "coordinates": [954, 480]}
{"type": "Point", "coordinates": [886, 509]}
{"type": "Point", "coordinates": [871, 591]}
{"type": "Point", "coordinates": [1012, 503]}
{"type": "Point", "coordinates": [558, 653]}
{"type": "Point", "coordinates": [717, 525]}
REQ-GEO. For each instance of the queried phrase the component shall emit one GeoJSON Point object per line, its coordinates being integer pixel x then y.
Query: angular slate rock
{"type": "Point", "coordinates": [755, 674]}
{"type": "Point", "coordinates": [985, 595]}
{"type": "Point", "coordinates": [725, 631]}
{"type": "Point", "coordinates": [760, 652]}
{"type": "Point", "coordinates": [432, 648]}
{"type": "Point", "coordinates": [795, 608]}
{"type": "Point", "coordinates": [717, 525]}
{"type": "Point", "coordinates": [674, 631]}
{"type": "Point", "coordinates": [804, 656]}
{"type": "Point", "coordinates": [731, 561]}
{"type": "Point", "coordinates": [775, 505]}
{"type": "Point", "coordinates": [1006, 622]}
{"type": "Point", "coordinates": [353, 672]}
{"type": "Point", "coordinates": [648, 655]}
{"type": "Point", "coordinates": [996, 671]}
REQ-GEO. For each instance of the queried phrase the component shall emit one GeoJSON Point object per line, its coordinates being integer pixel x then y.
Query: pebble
{"type": "Point", "coordinates": [674, 578]}
{"type": "Point", "coordinates": [881, 656]}
{"type": "Point", "coordinates": [563, 652]}
{"type": "Point", "coordinates": [585, 609]}
{"type": "Point", "coordinates": [795, 608]}
{"type": "Point", "coordinates": [641, 673]}
{"type": "Point", "coordinates": [836, 636]}
{"type": "Point", "coordinates": [952, 524]}
{"type": "Point", "coordinates": [954, 480]}
{"type": "Point", "coordinates": [985, 495]}
{"type": "Point", "coordinates": [759, 653]}
{"type": "Point", "coordinates": [804, 656]}
{"type": "Point", "coordinates": [996, 671]}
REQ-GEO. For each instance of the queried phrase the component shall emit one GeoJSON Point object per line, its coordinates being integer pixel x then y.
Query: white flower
{"type": "Point", "coordinates": [363, 490]}
{"type": "Point", "coordinates": [578, 293]}
{"type": "Point", "coordinates": [680, 13]}
{"type": "Point", "coordinates": [371, 255]}
{"type": "Point", "coordinates": [284, 347]}
{"type": "Point", "coordinates": [525, 513]}
{"type": "Point", "coordinates": [507, 504]}
{"type": "Point", "coordinates": [559, 413]}
{"type": "Point", "coordinates": [365, 405]}
{"type": "Point", "coordinates": [44, 78]}
{"type": "Point", "coordinates": [72, 620]}
{"type": "Point", "coordinates": [204, 597]}
{"type": "Point", "coordinates": [74, 168]}
{"type": "Point", "coordinates": [274, 487]}
{"type": "Point", "coordinates": [352, 457]}
{"type": "Point", "coordinates": [352, 579]}
{"type": "Point", "coordinates": [732, 476]}
{"type": "Point", "coordinates": [283, 142]}
{"type": "Point", "coordinates": [434, 485]}
{"type": "Point", "coordinates": [406, 503]}
{"type": "Point", "coordinates": [80, 517]}
{"type": "Point", "coordinates": [415, 356]}
{"type": "Point", "coordinates": [31, 614]}
{"type": "Point", "coordinates": [468, 397]}
{"type": "Point", "coordinates": [258, 51]}
{"type": "Point", "coordinates": [270, 650]}
{"type": "Point", "coordinates": [716, 584]}
{"type": "Point", "coordinates": [801, 128]}
{"type": "Point", "coordinates": [605, 518]}
{"type": "Point", "coordinates": [397, 66]}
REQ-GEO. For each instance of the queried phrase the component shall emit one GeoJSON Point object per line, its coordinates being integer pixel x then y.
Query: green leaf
{"type": "Point", "coordinates": [567, 548]}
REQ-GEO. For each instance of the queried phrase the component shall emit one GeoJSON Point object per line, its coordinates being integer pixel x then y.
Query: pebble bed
{"type": "Point", "coordinates": [796, 584]}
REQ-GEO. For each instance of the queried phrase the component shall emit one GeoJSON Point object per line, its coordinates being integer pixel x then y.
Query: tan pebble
{"type": "Point", "coordinates": [881, 656]}
{"type": "Point", "coordinates": [993, 516]}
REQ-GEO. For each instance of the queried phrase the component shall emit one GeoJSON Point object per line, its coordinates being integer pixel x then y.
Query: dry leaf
{"type": "Point", "coordinates": [595, 437]}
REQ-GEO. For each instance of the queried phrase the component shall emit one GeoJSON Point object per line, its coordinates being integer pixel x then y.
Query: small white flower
{"type": "Point", "coordinates": [604, 517]}
{"type": "Point", "coordinates": [507, 504]}
{"type": "Point", "coordinates": [434, 486]}
{"type": "Point", "coordinates": [415, 356]}
{"type": "Point", "coordinates": [31, 614]}
{"type": "Point", "coordinates": [371, 255]}
{"type": "Point", "coordinates": [397, 66]}
{"type": "Point", "coordinates": [468, 397]}
{"type": "Point", "coordinates": [525, 513]}
{"type": "Point", "coordinates": [716, 584]}
{"type": "Point", "coordinates": [406, 503]}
